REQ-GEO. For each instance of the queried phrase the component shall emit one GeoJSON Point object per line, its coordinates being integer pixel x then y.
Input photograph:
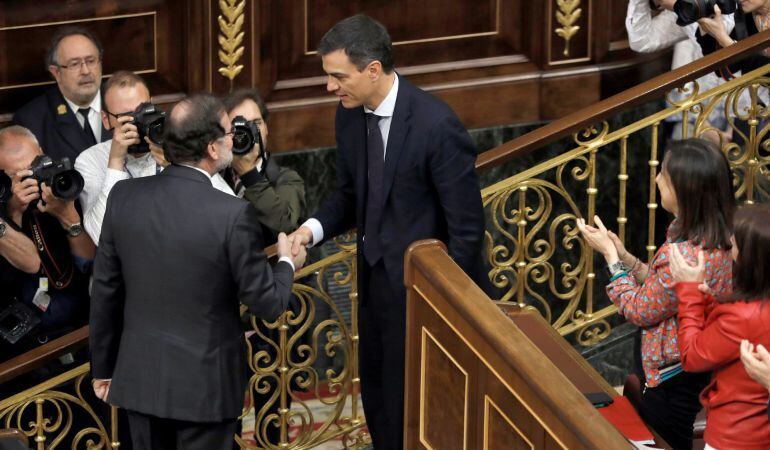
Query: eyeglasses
{"type": "Point", "coordinates": [90, 62]}
{"type": "Point", "coordinates": [118, 115]}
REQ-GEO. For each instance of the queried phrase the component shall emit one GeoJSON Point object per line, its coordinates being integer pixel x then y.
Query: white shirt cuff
{"type": "Point", "coordinates": [112, 177]}
{"type": "Point", "coordinates": [316, 228]}
{"type": "Point", "coordinates": [288, 260]}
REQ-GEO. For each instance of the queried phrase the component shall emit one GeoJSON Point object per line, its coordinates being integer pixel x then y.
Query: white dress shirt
{"type": "Point", "coordinates": [385, 111]}
{"type": "Point", "coordinates": [94, 115]}
{"type": "Point", "coordinates": [648, 34]}
{"type": "Point", "coordinates": [99, 180]}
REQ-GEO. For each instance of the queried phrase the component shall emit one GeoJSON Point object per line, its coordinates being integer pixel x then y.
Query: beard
{"type": "Point", "coordinates": [225, 161]}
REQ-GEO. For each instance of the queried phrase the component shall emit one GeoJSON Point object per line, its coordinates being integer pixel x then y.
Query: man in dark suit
{"type": "Point", "coordinates": [66, 118]}
{"type": "Point", "coordinates": [176, 257]}
{"type": "Point", "coordinates": [405, 168]}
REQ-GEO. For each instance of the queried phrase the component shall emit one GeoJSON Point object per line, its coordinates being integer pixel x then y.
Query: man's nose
{"type": "Point", "coordinates": [331, 85]}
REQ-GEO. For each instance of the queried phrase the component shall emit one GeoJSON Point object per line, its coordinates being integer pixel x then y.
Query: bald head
{"type": "Point", "coordinates": [18, 147]}
{"type": "Point", "coordinates": [193, 124]}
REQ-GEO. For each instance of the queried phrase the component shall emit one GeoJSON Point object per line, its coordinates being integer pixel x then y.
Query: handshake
{"type": "Point", "coordinates": [294, 246]}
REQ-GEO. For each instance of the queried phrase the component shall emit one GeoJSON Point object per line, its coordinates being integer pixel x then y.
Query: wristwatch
{"type": "Point", "coordinates": [2, 228]}
{"type": "Point", "coordinates": [75, 229]}
{"type": "Point", "coordinates": [616, 267]}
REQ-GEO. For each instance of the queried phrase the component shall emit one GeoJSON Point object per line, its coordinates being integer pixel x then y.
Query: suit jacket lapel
{"type": "Point", "coordinates": [66, 124]}
{"type": "Point", "coordinates": [399, 129]}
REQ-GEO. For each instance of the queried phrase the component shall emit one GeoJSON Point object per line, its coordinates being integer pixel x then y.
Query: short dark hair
{"type": "Point", "coordinates": [751, 273]}
{"type": "Point", "coordinates": [235, 98]}
{"type": "Point", "coordinates": [120, 79]}
{"type": "Point", "coordinates": [61, 33]}
{"type": "Point", "coordinates": [363, 39]}
{"type": "Point", "coordinates": [702, 182]}
{"type": "Point", "coordinates": [188, 133]}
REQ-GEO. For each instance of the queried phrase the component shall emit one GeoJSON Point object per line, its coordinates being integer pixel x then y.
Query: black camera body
{"type": "Point", "coordinates": [245, 135]}
{"type": "Point", "coordinates": [689, 11]}
{"type": "Point", "coordinates": [149, 121]}
{"type": "Point", "coordinates": [65, 182]}
{"type": "Point", "coordinates": [16, 321]}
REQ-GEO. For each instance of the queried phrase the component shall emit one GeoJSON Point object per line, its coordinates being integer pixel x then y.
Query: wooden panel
{"type": "Point", "coordinates": [445, 397]}
{"type": "Point", "coordinates": [143, 36]}
{"type": "Point", "coordinates": [423, 32]}
{"type": "Point", "coordinates": [561, 96]}
{"type": "Point", "coordinates": [500, 432]}
{"type": "Point", "coordinates": [536, 404]}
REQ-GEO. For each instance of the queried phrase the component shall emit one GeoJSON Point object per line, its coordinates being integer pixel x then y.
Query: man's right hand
{"type": "Point", "coordinates": [300, 238]}
{"type": "Point", "coordinates": [24, 191]}
{"type": "Point", "coordinates": [285, 249]}
{"type": "Point", "coordinates": [124, 135]}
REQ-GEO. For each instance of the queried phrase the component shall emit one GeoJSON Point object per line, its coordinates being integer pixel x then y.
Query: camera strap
{"type": "Point", "coordinates": [59, 276]}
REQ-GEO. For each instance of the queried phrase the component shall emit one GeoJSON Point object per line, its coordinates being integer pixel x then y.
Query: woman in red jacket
{"type": "Point", "coordinates": [736, 405]}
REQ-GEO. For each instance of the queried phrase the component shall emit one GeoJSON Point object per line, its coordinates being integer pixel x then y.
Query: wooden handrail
{"type": "Point", "coordinates": [42, 354]}
{"type": "Point", "coordinates": [649, 90]}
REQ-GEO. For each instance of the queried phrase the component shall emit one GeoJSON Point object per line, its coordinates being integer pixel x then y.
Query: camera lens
{"type": "Point", "coordinates": [689, 11]}
{"type": "Point", "coordinates": [242, 142]}
{"type": "Point", "coordinates": [67, 185]}
{"type": "Point", "coordinates": [155, 132]}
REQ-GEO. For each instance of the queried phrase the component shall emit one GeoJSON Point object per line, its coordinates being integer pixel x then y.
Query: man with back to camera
{"type": "Point", "coordinates": [57, 289]}
{"type": "Point", "coordinates": [121, 157]}
{"type": "Point", "coordinates": [277, 193]}
{"type": "Point", "coordinates": [65, 118]}
{"type": "Point", "coordinates": [405, 168]}
{"type": "Point", "coordinates": [175, 259]}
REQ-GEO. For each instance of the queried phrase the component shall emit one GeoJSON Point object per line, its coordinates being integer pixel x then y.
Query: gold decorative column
{"type": "Point", "coordinates": [567, 15]}
{"type": "Point", "coordinates": [231, 38]}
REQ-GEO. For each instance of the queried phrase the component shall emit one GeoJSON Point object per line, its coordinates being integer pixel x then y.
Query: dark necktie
{"type": "Point", "coordinates": [375, 152]}
{"type": "Point", "coordinates": [87, 126]}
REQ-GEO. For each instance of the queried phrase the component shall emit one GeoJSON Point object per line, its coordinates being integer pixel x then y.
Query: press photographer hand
{"type": "Point", "coordinates": [24, 191]}
{"type": "Point", "coordinates": [124, 135]}
{"type": "Point", "coordinates": [63, 210]}
{"type": "Point", "coordinates": [716, 28]}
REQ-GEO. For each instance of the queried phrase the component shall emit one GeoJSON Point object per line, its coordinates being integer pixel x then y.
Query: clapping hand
{"type": "Point", "coordinates": [598, 238]}
{"type": "Point", "coordinates": [756, 362]}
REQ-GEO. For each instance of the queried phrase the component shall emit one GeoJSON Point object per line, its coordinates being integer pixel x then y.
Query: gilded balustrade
{"type": "Point", "coordinates": [536, 256]}
{"type": "Point", "coordinates": [533, 246]}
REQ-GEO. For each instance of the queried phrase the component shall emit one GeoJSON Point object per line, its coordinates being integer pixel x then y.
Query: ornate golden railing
{"type": "Point", "coordinates": [309, 355]}
{"type": "Point", "coordinates": [533, 245]}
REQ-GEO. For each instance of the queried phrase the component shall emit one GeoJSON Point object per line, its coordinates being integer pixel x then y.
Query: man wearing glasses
{"type": "Point", "coordinates": [119, 158]}
{"type": "Point", "coordinates": [65, 119]}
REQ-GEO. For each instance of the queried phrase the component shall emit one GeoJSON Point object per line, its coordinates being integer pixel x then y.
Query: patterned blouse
{"type": "Point", "coordinates": [653, 305]}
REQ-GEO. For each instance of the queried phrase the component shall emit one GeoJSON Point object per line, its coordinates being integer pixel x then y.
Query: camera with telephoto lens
{"type": "Point", "coordinates": [245, 135]}
{"type": "Point", "coordinates": [149, 121]}
{"type": "Point", "coordinates": [689, 11]}
{"type": "Point", "coordinates": [65, 182]}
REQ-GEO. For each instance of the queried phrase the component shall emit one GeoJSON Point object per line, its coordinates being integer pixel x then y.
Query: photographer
{"type": "Point", "coordinates": [41, 205]}
{"type": "Point", "coordinates": [751, 17]}
{"type": "Point", "coordinates": [126, 155]}
{"type": "Point", "coordinates": [648, 32]}
{"type": "Point", "coordinates": [277, 193]}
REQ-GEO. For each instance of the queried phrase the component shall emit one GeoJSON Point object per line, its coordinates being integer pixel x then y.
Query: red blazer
{"type": "Point", "coordinates": [736, 405]}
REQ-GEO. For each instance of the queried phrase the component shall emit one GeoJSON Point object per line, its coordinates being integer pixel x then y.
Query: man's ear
{"type": "Point", "coordinates": [374, 70]}
{"type": "Point", "coordinates": [55, 71]}
{"type": "Point", "coordinates": [105, 119]}
{"type": "Point", "coordinates": [211, 152]}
